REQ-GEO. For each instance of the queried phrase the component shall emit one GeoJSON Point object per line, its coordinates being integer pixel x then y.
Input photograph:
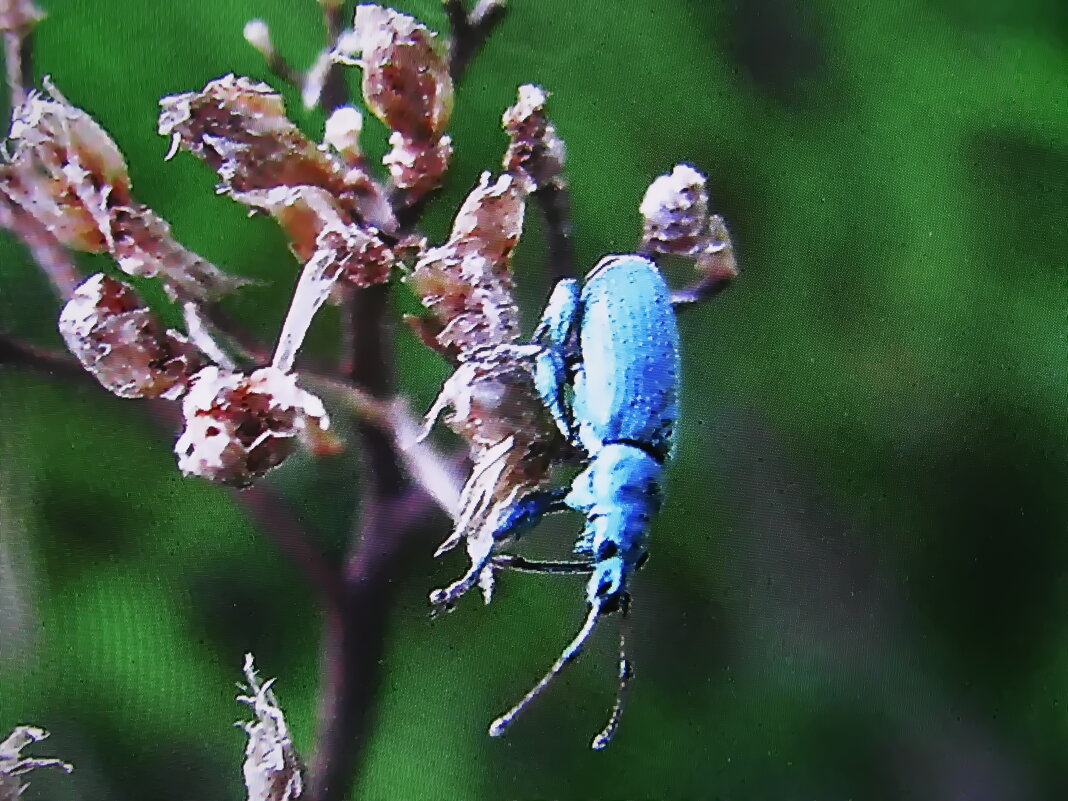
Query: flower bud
{"type": "Point", "coordinates": [258, 34]}
{"type": "Point", "coordinates": [675, 213]}
{"type": "Point", "coordinates": [342, 132]}
{"type": "Point", "coordinates": [117, 339]}
{"type": "Point", "coordinates": [238, 426]}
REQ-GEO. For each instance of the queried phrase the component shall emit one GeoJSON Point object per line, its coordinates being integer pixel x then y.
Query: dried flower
{"type": "Point", "coordinates": [467, 282]}
{"type": "Point", "coordinates": [272, 767]}
{"type": "Point", "coordinates": [495, 407]}
{"type": "Point", "coordinates": [238, 127]}
{"type": "Point", "coordinates": [13, 764]}
{"type": "Point", "coordinates": [406, 81]}
{"type": "Point", "coordinates": [406, 84]}
{"type": "Point", "coordinates": [676, 220]}
{"type": "Point", "coordinates": [535, 152]}
{"type": "Point", "coordinates": [237, 426]}
{"type": "Point", "coordinates": [69, 176]}
{"type": "Point", "coordinates": [118, 339]}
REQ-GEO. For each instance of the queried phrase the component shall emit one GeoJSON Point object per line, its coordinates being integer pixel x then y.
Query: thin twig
{"type": "Point", "coordinates": [705, 289]}
{"type": "Point", "coordinates": [470, 31]}
{"type": "Point", "coordinates": [555, 203]}
{"type": "Point", "coordinates": [392, 508]}
{"type": "Point", "coordinates": [334, 93]}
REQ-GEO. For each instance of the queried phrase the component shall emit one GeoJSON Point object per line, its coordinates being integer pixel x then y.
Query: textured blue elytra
{"type": "Point", "coordinates": [608, 372]}
{"type": "Point", "coordinates": [627, 384]}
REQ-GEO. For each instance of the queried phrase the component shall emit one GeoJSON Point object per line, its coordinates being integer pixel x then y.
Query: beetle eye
{"type": "Point", "coordinates": [606, 550]}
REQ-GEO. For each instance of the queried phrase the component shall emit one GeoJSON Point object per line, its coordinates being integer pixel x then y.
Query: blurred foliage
{"type": "Point", "coordinates": [859, 586]}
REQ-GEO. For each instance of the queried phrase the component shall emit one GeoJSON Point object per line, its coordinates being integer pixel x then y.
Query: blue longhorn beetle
{"type": "Point", "coordinates": [608, 372]}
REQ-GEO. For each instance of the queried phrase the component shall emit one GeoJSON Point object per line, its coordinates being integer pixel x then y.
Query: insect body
{"type": "Point", "coordinates": [608, 371]}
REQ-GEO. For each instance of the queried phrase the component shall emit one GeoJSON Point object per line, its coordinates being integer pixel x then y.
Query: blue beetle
{"type": "Point", "coordinates": [608, 372]}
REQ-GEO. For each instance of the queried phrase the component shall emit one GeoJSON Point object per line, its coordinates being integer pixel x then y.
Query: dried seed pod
{"type": "Point", "coordinates": [467, 282]}
{"type": "Point", "coordinates": [13, 765]}
{"type": "Point", "coordinates": [118, 339]}
{"type": "Point", "coordinates": [535, 152]}
{"type": "Point", "coordinates": [675, 213]}
{"type": "Point", "coordinates": [272, 767]}
{"type": "Point", "coordinates": [238, 426]}
{"type": "Point", "coordinates": [406, 81]}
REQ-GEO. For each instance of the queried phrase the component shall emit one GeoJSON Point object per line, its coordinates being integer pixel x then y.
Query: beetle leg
{"type": "Point", "coordinates": [558, 319]}
{"type": "Point", "coordinates": [551, 381]}
{"type": "Point", "coordinates": [523, 565]}
{"type": "Point", "coordinates": [528, 511]}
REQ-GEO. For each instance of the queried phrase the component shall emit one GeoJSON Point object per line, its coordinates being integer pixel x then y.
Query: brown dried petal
{"type": "Point", "coordinates": [675, 213]}
{"type": "Point", "coordinates": [406, 81]}
{"type": "Point", "coordinates": [535, 151]}
{"type": "Point", "coordinates": [65, 171]}
{"type": "Point", "coordinates": [467, 282]}
{"type": "Point", "coordinates": [240, 426]}
{"type": "Point", "coordinates": [118, 339]}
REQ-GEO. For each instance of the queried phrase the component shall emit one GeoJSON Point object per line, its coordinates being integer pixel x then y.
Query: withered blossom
{"type": "Point", "coordinates": [535, 152]}
{"type": "Point", "coordinates": [69, 176]}
{"type": "Point", "coordinates": [272, 767]}
{"type": "Point", "coordinates": [13, 765]}
{"type": "Point", "coordinates": [406, 84]}
{"type": "Point", "coordinates": [467, 282]}
{"type": "Point", "coordinates": [676, 221]}
{"type": "Point", "coordinates": [238, 127]}
{"type": "Point", "coordinates": [238, 426]}
{"type": "Point", "coordinates": [118, 340]}
{"type": "Point", "coordinates": [494, 405]}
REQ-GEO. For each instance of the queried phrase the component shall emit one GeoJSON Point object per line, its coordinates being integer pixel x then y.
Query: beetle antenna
{"type": "Point", "coordinates": [626, 673]}
{"type": "Point", "coordinates": [501, 724]}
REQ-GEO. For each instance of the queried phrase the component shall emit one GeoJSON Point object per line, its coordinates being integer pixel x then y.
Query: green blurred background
{"type": "Point", "coordinates": [859, 586]}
